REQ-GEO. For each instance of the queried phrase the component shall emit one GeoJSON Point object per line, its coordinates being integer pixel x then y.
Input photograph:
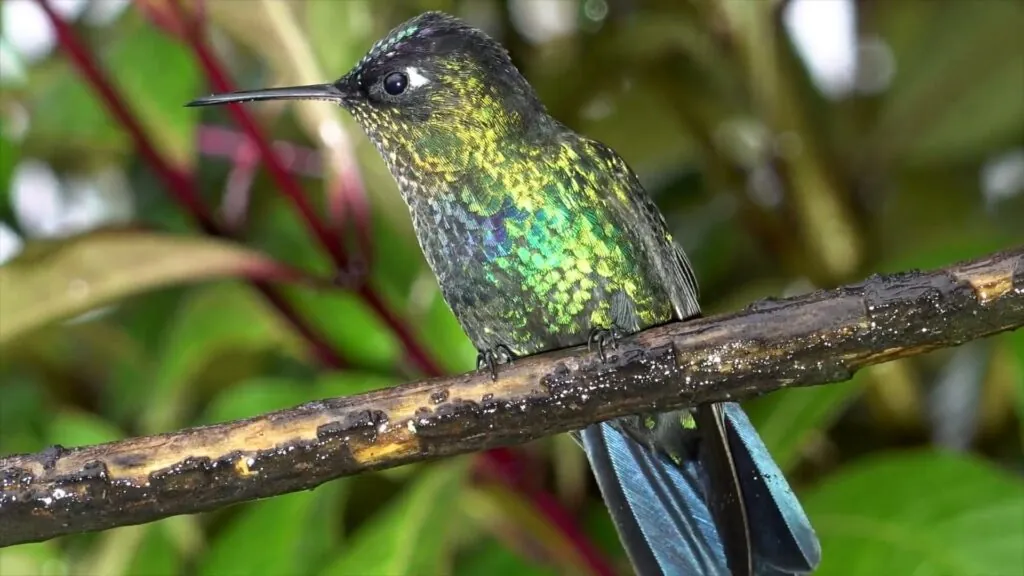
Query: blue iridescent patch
{"type": "Point", "coordinates": [489, 232]}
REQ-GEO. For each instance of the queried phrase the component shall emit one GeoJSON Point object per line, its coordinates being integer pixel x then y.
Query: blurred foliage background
{"type": "Point", "coordinates": [792, 145]}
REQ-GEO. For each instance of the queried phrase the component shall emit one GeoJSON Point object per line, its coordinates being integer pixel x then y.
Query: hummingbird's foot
{"type": "Point", "coordinates": [603, 337]}
{"type": "Point", "coordinates": [493, 357]}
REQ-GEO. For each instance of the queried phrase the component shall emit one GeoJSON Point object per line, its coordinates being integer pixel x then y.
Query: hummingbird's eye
{"type": "Point", "coordinates": [396, 83]}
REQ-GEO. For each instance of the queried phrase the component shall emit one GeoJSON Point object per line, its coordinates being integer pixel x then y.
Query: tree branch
{"type": "Point", "coordinates": [813, 339]}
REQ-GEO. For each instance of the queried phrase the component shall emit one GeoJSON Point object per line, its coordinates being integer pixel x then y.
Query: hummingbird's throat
{"type": "Point", "coordinates": [441, 157]}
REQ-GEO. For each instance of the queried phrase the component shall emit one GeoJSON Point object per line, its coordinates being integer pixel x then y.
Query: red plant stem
{"type": "Point", "coordinates": [505, 465]}
{"type": "Point", "coordinates": [219, 79]}
{"type": "Point", "coordinates": [181, 185]}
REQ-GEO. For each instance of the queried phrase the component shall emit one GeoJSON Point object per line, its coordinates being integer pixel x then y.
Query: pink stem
{"type": "Point", "coordinates": [238, 190]}
{"type": "Point", "coordinates": [225, 142]}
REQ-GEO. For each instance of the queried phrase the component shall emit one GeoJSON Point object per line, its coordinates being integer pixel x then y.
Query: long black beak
{"type": "Point", "coordinates": [329, 92]}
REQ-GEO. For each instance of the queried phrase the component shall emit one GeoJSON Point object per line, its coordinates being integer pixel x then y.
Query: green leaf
{"type": "Point", "coordinates": [55, 279]}
{"type": "Point", "coordinates": [324, 527]}
{"type": "Point", "coordinates": [338, 33]}
{"type": "Point", "coordinates": [1016, 339]}
{"type": "Point", "coordinates": [112, 551]}
{"type": "Point", "coordinates": [788, 418]}
{"type": "Point", "coordinates": [256, 396]}
{"type": "Point", "coordinates": [510, 515]}
{"type": "Point", "coordinates": [493, 558]}
{"type": "Point", "coordinates": [9, 156]}
{"type": "Point", "coordinates": [925, 205]}
{"type": "Point", "coordinates": [102, 350]}
{"type": "Point", "coordinates": [411, 535]}
{"type": "Point", "coordinates": [919, 513]}
{"type": "Point", "coordinates": [214, 320]}
{"type": "Point", "coordinates": [153, 73]}
{"type": "Point", "coordinates": [156, 554]}
{"type": "Point", "coordinates": [346, 320]}
{"type": "Point", "coordinates": [349, 382]}
{"type": "Point", "coordinates": [442, 336]}
{"type": "Point", "coordinates": [270, 536]}
{"type": "Point", "coordinates": [342, 317]}
{"type": "Point", "coordinates": [956, 98]}
{"type": "Point", "coordinates": [268, 393]}
{"type": "Point", "coordinates": [42, 558]}
{"type": "Point", "coordinates": [22, 411]}
{"type": "Point", "coordinates": [108, 351]}
{"type": "Point", "coordinates": [67, 117]}
{"type": "Point", "coordinates": [157, 93]}
{"type": "Point", "coordinates": [76, 428]}
{"type": "Point", "coordinates": [988, 115]}
{"type": "Point", "coordinates": [602, 532]}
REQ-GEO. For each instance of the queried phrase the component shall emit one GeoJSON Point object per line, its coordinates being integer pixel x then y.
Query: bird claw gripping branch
{"type": "Point", "coordinates": [602, 338]}
{"type": "Point", "coordinates": [492, 358]}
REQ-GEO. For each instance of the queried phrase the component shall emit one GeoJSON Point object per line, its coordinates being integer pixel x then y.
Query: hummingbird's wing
{"type": "Point", "coordinates": [627, 200]}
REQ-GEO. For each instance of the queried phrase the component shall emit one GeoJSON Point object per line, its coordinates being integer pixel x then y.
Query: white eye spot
{"type": "Point", "coordinates": [416, 78]}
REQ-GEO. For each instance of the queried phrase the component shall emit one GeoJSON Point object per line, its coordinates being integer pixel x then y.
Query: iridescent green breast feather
{"type": "Point", "coordinates": [542, 221]}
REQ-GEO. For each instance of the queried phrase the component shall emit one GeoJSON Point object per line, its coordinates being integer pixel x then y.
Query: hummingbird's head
{"type": "Point", "coordinates": [429, 94]}
{"type": "Point", "coordinates": [437, 72]}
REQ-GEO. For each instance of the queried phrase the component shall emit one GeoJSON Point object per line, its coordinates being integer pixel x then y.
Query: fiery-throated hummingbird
{"type": "Point", "coordinates": [542, 239]}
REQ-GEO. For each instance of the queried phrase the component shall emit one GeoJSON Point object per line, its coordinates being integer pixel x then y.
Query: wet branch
{"type": "Point", "coordinates": [813, 339]}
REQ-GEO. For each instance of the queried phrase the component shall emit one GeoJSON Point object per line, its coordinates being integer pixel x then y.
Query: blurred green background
{"type": "Point", "coordinates": [792, 146]}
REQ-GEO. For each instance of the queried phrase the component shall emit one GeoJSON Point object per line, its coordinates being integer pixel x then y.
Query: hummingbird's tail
{"type": "Point", "coordinates": [662, 513]}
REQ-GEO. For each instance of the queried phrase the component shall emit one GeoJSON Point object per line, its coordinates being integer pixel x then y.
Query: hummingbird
{"type": "Point", "coordinates": [540, 239]}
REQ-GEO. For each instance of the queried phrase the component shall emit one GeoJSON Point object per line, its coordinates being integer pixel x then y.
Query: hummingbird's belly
{"type": "Point", "coordinates": [523, 282]}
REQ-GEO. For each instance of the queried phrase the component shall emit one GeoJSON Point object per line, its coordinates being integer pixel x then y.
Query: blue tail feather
{"type": "Point", "coordinates": [782, 535]}
{"type": "Point", "coordinates": [661, 509]}
{"type": "Point", "coordinates": [658, 509]}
